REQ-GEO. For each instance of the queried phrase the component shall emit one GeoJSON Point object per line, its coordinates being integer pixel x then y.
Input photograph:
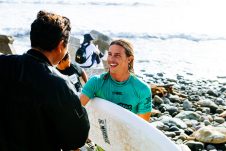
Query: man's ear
{"type": "Point", "coordinates": [60, 46]}
{"type": "Point", "coordinates": [130, 59]}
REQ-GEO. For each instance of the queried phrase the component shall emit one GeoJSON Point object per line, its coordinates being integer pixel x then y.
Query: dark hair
{"type": "Point", "coordinates": [65, 57]}
{"type": "Point", "coordinates": [128, 50]}
{"type": "Point", "coordinates": [87, 38]}
{"type": "Point", "coordinates": [48, 29]}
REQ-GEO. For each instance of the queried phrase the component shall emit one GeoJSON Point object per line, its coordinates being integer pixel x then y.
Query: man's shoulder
{"type": "Point", "coordinates": [91, 45]}
{"type": "Point", "coordinates": [98, 77]}
{"type": "Point", "coordinates": [138, 81]}
{"type": "Point", "coordinates": [59, 81]}
{"type": "Point", "coordinates": [139, 84]}
{"type": "Point", "coordinates": [9, 58]}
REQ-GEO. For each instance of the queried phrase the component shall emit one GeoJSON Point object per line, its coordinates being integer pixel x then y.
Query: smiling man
{"type": "Point", "coordinates": [119, 85]}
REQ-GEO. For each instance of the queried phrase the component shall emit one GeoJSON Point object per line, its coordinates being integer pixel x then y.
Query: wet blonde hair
{"type": "Point", "coordinates": [128, 50]}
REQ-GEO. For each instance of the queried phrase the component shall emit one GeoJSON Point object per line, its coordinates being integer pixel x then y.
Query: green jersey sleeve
{"type": "Point", "coordinates": [145, 104]}
{"type": "Point", "coordinates": [90, 87]}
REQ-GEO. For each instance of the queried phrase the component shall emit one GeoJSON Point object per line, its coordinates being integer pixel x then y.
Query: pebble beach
{"type": "Point", "coordinates": [193, 112]}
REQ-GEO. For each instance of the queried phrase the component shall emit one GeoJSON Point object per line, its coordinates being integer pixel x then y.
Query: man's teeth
{"type": "Point", "coordinates": [113, 64]}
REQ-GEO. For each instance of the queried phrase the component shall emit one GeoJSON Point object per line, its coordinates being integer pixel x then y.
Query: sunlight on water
{"type": "Point", "coordinates": [171, 36]}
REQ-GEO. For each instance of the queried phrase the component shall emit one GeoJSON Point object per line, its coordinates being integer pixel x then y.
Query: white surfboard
{"type": "Point", "coordinates": [117, 129]}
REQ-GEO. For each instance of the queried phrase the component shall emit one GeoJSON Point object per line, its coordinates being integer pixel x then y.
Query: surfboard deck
{"type": "Point", "coordinates": [115, 128]}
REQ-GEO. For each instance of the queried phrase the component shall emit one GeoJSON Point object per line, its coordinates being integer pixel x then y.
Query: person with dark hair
{"type": "Point", "coordinates": [93, 54]}
{"type": "Point", "coordinates": [119, 85]}
{"type": "Point", "coordinates": [40, 109]}
{"type": "Point", "coordinates": [73, 71]}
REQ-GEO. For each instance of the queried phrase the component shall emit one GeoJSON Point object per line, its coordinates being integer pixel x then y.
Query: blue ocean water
{"type": "Point", "coordinates": [183, 37]}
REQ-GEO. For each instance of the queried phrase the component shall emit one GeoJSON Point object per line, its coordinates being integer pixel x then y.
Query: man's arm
{"type": "Point", "coordinates": [84, 76]}
{"type": "Point", "coordinates": [67, 116]}
{"type": "Point", "coordinates": [70, 122]}
{"type": "Point", "coordinates": [146, 116]}
{"type": "Point", "coordinates": [84, 99]}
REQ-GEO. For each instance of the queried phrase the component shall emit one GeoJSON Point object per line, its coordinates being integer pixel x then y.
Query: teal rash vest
{"type": "Point", "coordinates": [132, 94]}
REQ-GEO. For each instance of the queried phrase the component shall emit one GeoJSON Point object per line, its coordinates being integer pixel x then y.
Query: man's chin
{"type": "Point", "coordinates": [112, 71]}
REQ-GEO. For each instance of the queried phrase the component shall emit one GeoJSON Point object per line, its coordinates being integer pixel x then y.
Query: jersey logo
{"type": "Point", "coordinates": [147, 103]}
{"type": "Point", "coordinates": [126, 106]}
{"type": "Point", "coordinates": [117, 93]}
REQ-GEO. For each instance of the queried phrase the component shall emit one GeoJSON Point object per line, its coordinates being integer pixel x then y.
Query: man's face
{"type": "Point", "coordinates": [64, 64]}
{"type": "Point", "coordinates": [117, 59]}
{"type": "Point", "coordinates": [62, 51]}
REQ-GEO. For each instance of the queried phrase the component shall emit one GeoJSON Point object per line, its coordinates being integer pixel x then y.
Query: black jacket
{"type": "Point", "coordinates": [39, 110]}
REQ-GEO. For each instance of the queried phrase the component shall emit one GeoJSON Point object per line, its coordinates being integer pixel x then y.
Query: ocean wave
{"type": "Point", "coordinates": [21, 32]}
{"type": "Point", "coordinates": [36, 2]}
{"type": "Point", "coordinates": [80, 2]}
{"type": "Point", "coordinates": [160, 36]}
{"type": "Point", "coordinates": [190, 37]}
{"type": "Point", "coordinates": [118, 4]}
{"type": "Point", "coordinates": [16, 32]}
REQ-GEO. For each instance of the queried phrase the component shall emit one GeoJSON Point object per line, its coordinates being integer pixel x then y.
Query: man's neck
{"type": "Point", "coordinates": [120, 77]}
{"type": "Point", "coordinates": [62, 67]}
{"type": "Point", "coordinates": [47, 54]}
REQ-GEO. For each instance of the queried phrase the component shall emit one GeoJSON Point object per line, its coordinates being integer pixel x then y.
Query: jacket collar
{"type": "Point", "coordinates": [38, 56]}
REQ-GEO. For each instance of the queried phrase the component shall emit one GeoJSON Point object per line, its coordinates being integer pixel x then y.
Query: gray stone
{"type": "Point", "coordinates": [172, 80]}
{"type": "Point", "coordinates": [209, 134]}
{"type": "Point", "coordinates": [6, 45]}
{"type": "Point", "coordinates": [157, 100]}
{"type": "Point", "coordinates": [194, 123]}
{"type": "Point", "coordinates": [173, 129]}
{"type": "Point", "coordinates": [219, 110]}
{"type": "Point", "coordinates": [210, 147]}
{"type": "Point", "coordinates": [207, 122]}
{"type": "Point", "coordinates": [206, 110]}
{"type": "Point", "coordinates": [208, 103]}
{"type": "Point", "coordinates": [160, 74]}
{"type": "Point", "coordinates": [103, 41]}
{"type": "Point", "coordinates": [166, 100]}
{"type": "Point", "coordinates": [174, 98]}
{"type": "Point", "coordinates": [188, 115]}
{"type": "Point", "coordinates": [188, 131]}
{"type": "Point", "coordinates": [194, 98]}
{"type": "Point", "coordinates": [223, 89]}
{"type": "Point", "coordinates": [171, 109]}
{"type": "Point", "coordinates": [170, 134]}
{"type": "Point", "coordinates": [174, 121]}
{"type": "Point", "coordinates": [220, 101]}
{"type": "Point", "coordinates": [213, 93]}
{"type": "Point", "coordinates": [188, 122]}
{"type": "Point", "coordinates": [195, 146]}
{"type": "Point", "coordinates": [219, 120]}
{"type": "Point", "coordinates": [187, 105]}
